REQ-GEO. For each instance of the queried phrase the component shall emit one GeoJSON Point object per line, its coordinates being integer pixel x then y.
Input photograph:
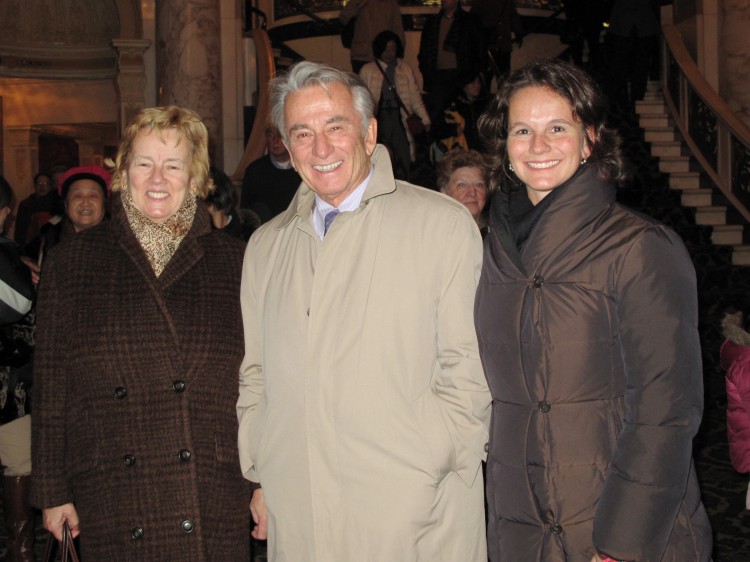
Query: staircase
{"type": "Point", "coordinates": [728, 228]}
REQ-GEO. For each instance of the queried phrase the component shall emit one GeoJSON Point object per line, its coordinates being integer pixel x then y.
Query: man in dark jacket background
{"type": "Point", "coordinates": [452, 44]}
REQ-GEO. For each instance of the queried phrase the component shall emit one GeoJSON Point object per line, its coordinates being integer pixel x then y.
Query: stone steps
{"type": "Point", "coordinates": [709, 203]}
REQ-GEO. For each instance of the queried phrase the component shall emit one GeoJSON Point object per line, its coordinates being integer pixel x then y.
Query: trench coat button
{"type": "Point", "coordinates": [308, 312]}
{"type": "Point", "coordinates": [538, 281]}
{"type": "Point", "coordinates": [187, 526]}
{"type": "Point", "coordinates": [136, 533]}
{"type": "Point", "coordinates": [486, 447]}
{"type": "Point", "coordinates": [544, 406]}
{"type": "Point", "coordinates": [128, 460]}
{"type": "Point", "coordinates": [178, 386]}
{"type": "Point", "coordinates": [184, 455]}
{"type": "Point", "coordinates": [121, 392]}
{"type": "Point", "coordinates": [556, 528]}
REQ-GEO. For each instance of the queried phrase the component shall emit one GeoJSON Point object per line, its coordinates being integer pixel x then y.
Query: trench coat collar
{"type": "Point", "coordinates": [382, 182]}
{"type": "Point", "coordinates": [584, 196]}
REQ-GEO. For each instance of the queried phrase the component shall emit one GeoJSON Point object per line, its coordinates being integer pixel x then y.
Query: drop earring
{"type": "Point", "coordinates": [583, 161]}
{"type": "Point", "coordinates": [510, 167]}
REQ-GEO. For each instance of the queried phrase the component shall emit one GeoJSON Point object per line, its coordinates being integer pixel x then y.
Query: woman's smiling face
{"type": "Point", "coordinates": [158, 175]}
{"type": "Point", "coordinates": [546, 141]}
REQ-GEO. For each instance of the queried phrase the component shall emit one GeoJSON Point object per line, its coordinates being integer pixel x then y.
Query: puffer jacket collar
{"type": "Point", "coordinates": [578, 202]}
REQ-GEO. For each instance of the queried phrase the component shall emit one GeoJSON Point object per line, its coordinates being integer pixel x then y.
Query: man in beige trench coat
{"type": "Point", "coordinates": [363, 406]}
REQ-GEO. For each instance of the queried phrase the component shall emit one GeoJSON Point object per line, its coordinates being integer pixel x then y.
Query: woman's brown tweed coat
{"type": "Point", "coordinates": [136, 381]}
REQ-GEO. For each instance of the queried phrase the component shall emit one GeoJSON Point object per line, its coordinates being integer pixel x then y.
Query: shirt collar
{"type": "Point", "coordinates": [280, 165]}
{"type": "Point", "coordinates": [351, 203]}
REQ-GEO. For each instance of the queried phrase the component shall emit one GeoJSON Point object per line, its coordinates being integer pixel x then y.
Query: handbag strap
{"type": "Point", "coordinates": [69, 553]}
{"type": "Point", "coordinates": [395, 91]}
{"type": "Point", "coordinates": [69, 548]}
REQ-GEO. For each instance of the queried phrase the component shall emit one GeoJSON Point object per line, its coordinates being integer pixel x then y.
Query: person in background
{"type": "Point", "coordinates": [452, 45]}
{"type": "Point", "coordinates": [457, 126]}
{"type": "Point", "coordinates": [463, 175]}
{"type": "Point", "coordinates": [36, 202]}
{"type": "Point", "coordinates": [84, 191]}
{"type": "Point", "coordinates": [501, 25]}
{"type": "Point", "coordinates": [584, 21]}
{"type": "Point", "coordinates": [269, 182]}
{"type": "Point", "coordinates": [735, 360]}
{"type": "Point", "coordinates": [139, 343]}
{"type": "Point", "coordinates": [389, 80]}
{"type": "Point", "coordinates": [587, 319]}
{"type": "Point", "coordinates": [633, 36]}
{"type": "Point", "coordinates": [16, 348]}
{"type": "Point", "coordinates": [363, 406]}
{"type": "Point", "coordinates": [220, 204]}
{"type": "Point", "coordinates": [373, 16]}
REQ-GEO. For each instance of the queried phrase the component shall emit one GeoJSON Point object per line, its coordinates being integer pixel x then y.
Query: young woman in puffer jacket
{"type": "Point", "coordinates": [735, 359]}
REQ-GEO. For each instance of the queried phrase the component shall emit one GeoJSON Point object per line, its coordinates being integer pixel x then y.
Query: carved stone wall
{"type": "Point", "coordinates": [58, 38]}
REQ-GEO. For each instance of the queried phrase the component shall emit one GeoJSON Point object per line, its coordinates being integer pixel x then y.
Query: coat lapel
{"type": "Point", "coordinates": [188, 254]}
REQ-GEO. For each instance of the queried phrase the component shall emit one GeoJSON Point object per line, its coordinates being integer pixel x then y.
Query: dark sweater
{"type": "Point", "coordinates": [266, 189]}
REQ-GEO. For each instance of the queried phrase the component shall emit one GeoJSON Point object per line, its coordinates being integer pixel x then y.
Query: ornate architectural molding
{"type": "Point", "coordinates": [131, 77]}
{"type": "Point", "coordinates": [61, 39]}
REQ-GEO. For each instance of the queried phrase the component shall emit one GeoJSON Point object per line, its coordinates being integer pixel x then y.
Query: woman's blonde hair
{"type": "Point", "coordinates": [189, 126]}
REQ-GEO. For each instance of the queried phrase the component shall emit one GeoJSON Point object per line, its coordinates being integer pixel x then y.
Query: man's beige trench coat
{"type": "Point", "coordinates": [363, 406]}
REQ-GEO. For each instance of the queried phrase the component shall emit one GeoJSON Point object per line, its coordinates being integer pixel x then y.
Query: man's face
{"type": "Point", "coordinates": [449, 5]}
{"type": "Point", "coordinates": [43, 185]}
{"type": "Point", "coordinates": [276, 146]}
{"type": "Point", "coordinates": [326, 141]}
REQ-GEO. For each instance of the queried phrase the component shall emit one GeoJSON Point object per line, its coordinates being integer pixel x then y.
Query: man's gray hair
{"type": "Point", "coordinates": [305, 74]}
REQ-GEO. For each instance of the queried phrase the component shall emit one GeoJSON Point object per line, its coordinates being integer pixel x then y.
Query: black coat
{"type": "Point", "coordinates": [465, 38]}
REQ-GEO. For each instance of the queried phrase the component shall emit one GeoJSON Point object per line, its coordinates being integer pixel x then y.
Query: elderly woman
{"type": "Point", "coordinates": [394, 89]}
{"type": "Point", "coordinates": [587, 320]}
{"type": "Point", "coordinates": [84, 193]}
{"type": "Point", "coordinates": [462, 174]}
{"type": "Point", "coordinates": [139, 344]}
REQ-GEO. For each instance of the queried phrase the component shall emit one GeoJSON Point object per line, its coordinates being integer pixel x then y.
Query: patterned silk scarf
{"type": "Point", "coordinates": [159, 240]}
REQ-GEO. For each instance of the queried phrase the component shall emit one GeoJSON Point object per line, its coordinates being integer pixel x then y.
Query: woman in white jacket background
{"type": "Point", "coordinates": [399, 84]}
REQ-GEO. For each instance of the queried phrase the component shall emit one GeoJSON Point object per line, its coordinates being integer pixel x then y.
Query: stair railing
{"type": "Point", "coordinates": [266, 68]}
{"type": "Point", "coordinates": [716, 137]}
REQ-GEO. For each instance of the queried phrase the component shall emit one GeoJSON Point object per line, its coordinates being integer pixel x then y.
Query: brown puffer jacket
{"type": "Point", "coordinates": [589, 341]}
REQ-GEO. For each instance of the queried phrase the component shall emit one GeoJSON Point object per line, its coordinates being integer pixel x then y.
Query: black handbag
{"type": "Point", "coordinates": [68, 554]}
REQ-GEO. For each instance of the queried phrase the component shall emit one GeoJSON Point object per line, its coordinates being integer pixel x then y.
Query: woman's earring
{"type": "Point", "coordinates": [583, 161]}
{"type": "Point", "coordinates": [510, 166]}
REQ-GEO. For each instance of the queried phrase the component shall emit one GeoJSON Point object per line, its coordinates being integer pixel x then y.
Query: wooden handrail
{"type": "Point", "coordinates": [728, 126]}
{"type": "Point", "coordinates": [256, 142]}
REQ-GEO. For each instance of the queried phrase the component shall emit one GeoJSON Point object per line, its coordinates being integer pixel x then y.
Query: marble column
{"type": "Point", "coordinates": [188, 61]}
{"type": "Point", "coordinates": [130, 81]}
